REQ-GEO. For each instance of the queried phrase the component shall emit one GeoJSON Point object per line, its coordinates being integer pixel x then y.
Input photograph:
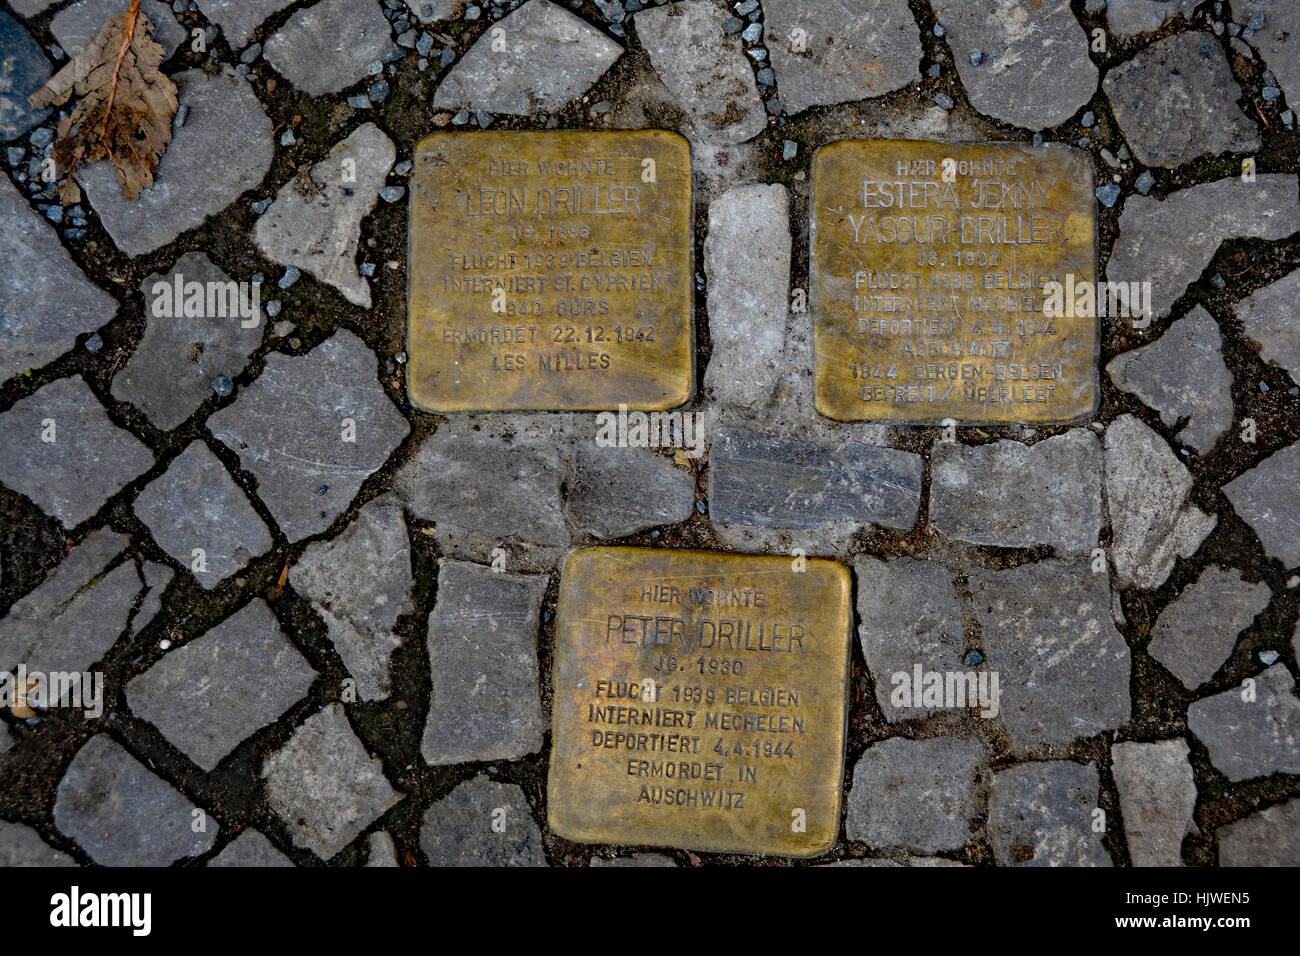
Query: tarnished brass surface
{"type": "Point", "coordinates": [588, 235]}
{"type": "Point", "coordinates": [952, 325]}
{"type": "Point", "coordinates": [749, 662]}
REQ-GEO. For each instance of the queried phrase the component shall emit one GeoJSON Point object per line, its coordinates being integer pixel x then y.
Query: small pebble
{"type": "Point", "coordinates": [473, 12]}
{"type": "Point", "coordinates": [1271, 93]}
{"type": "Point", "coordinates": [403, 168]}
{"type": "Point", "coordinates": [1107, 195]}
{"type": "Point", "coordinates": [359, 102]}
{"type": "Point", "coordinates": [945, 101]}
{"type": "Point", "coordinates": [223, 386]}
{"type": "Point", "coordinates": [251, 54]}
{"type": "Point", "coordinates": [976, 57]}
{"type": "Point", "coordinates": [461, 118]}
{"type": "Point", "coordinates": [94, 343]}
{"type": "Point", "coordinates": [1218, 281]}
{"type": "Point", "coordinates": [15, 155]}
{"type": "Point", "coordinates": [765, 76]}
{"type": "Point", "coordinates": [375, 67]}
{"type": "Point", "coordinates": [291, 275]}
{"type": "Point", "coordinates": [273, 308]}
{"type": "Point", "coordinates": [1088, 119]}
{"type": "Point", "coordinates": [379, 91]}
{"type": "Point", "coordinates": [748, 7]}
{"type": "Point", "coordinates": [733, 26]}
{"type": "Point", "coordinates": [262, 205]}
{"type": "Point", "coordinates": [1268, 658]}
{"type": "Point", "coordinates": [448, 57]}
{"type": "Point", "coordinates": [182, 114]}
{"type": "Point", "coordinates": [1144, 183]}
{"type": "Point", "coordinates": [392, 193]}
{"type": "Point", "coordinates": [752, 33]}
{"type": "Point", "coordinates": [424, 44]}
{"type": "Point", "coordinates": [367, 269]}
{"type": "Point", "coordinates": [1038, 139]}
{"type": "Point", "coordinates": [408, 39]}
{"type": "Point", "coordinates": [934, 71]}
{"type": "Point", "coordinates": [973, 658]}
{"type": "Point", "coordinates": [790, 150]}
{"type": "Point", "coordinates": [41, 137]}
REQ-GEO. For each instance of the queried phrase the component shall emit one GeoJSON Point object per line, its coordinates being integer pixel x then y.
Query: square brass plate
{"type": "Point", "coordinates": [550, 271]}
{"type": "Point", "coordinates": [926, 294]}
{"type": "Point", "coordinates": [700, 701]}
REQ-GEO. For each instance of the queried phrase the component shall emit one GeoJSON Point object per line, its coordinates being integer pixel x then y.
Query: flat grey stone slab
{"type": "Point", "coordinates": [326, 47]}
{"type": "Point", "coordinates": [1265, 497]}
{"type": "Point", "coordinates": [482, 823]}
{"type": "Point", "coordinates": [909, 614]}
{"type": "Point", "coordinates": [852, 50]}
{"type": "Point", "coordinates": [704, 68]}
{"type": "Point", "coordinates": [1176, 100]}
{"type": "Point", "coordinates": [315, 225]}
{"type": "Point", "coordinates": [210, 694]}
{"type": "Point", "coordinates": [360, 583]}
{"type": "Point", "coordinates": [290, 429]}
{"type": "Point", "coordinates": [86, 463]}
{"type": "Point", "coordinates": [1157, 796]}
{"type": "Point", "coordinates": [239, 18]}
{"type": "Point", "coordinates": [76, 25]}
{"type": "Point", "coordinates": [1063, 667]}
{"type": "Point", "coordinates": [45, 299]}
{"type": "Point", "coordinates": [21, 846]}
{"type": "Point", "coordinates": [550, 59]}
{"type": "Point", "coordinates": [223, 150]}
{"type": "Point", "coordinates": [248, 849]}
{"type": "Point", "coordinates": [29, 8]}
{"type": "Point", "coordinates": [620, 491]}
{"type": "Point", "coordinates": [382, 852]}
{"type": "Point", "coordinates": [1252, 737]}
{"type": "Point", "coordinates": [325, 786]}
{"type": "Point", "coordinates": [924, 795]}
{"type": "Point", "coordinates": [747, 266]}
{"type": "Point", "coordinates": [122, 814]}
{"type": "Point", "coordinates": [772, 481]}
{"type": "Point", "coordinates": [1127, 18]}
{"type": "Point", "coordinates": [1040, 814]}
{"type": "Point", "coordinates": [172, 370]}
{"type": "Point", "coordinates": [1268, 318]}
{"type": "Point", "coordinates": [23, 70]}
{"type": "Point", "coordinates": [1195, 634]}
{"type": "Point", "coordinates": [1152, 523]}
{"type": "Point", "coordinates": [1279, 42]}
{"type": "Point", "coordinates": [195, 504]}
{"type": "Point", "coordinates": [1169, 242]}
{"type": "Point", "coordinates": [485, 699]}
{"type": "Point", "coordinates": [1019, 496]}
{"type": "Point", "coordinates": [1270, 837]}
{"type": "Point", "coordinates": [1026, 45]}
{"type": "Point", "coordinates": [636, 860]}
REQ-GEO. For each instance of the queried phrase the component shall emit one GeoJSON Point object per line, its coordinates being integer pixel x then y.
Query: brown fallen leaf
{"type": "Point", "coordinates": [126, 107]}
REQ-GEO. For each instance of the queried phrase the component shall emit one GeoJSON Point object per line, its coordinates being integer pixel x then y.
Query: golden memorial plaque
{"type": "Point", "coordinates": [928, 267]}
{"type": "Point", "coordinates": [700, 701]}
{"type": "Point", "coordinates": [550, 271]}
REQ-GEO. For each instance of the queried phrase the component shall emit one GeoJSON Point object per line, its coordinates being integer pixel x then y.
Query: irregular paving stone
{"type": "Point", "coordinates": [76, 25]}
{"type": "Point", "coordinates": [909, 615]}
{"type": "Point", "coordinates": [1126, 18]}
{"type": "Point", "coordinates": [920, 794]}
{"type": "Point", "coordinates": [360, 583]}
{"type": "Point", "coordinates": [316, 225]}
{"type": "Point", "coordinates": [325, 47]}
{"type": "Point", "coordinates": [250, 848]}
{"type": "Point", "coordinates": [747, 265]}
{"type": "Point", "coordinates": [223, 149]}
{"type": "Point", "coordinates": [1024, 45]}
{"type": "Point", "coordinates": [122, 814]}
{"type": "Point", "coordinates": [443, 483]}
{"type": "Point", "coordinates": [1267, 316]}
{"type": "Point", "coordinates": [196, 504]}
{"type": "Point", "coordinates": [1195, 634]}
{"type": "Point", "coordinates": [1040, 814]}
{"type": "Point", "coordinates": [77, 612]}
{"type": "Point", "coordinates": [458, 829]}
{"type": "Point", "coordinates": [620, 491]}
{"type": "Point", "coordinates": [45, 300]}
{"type": "Point", "coordinates": [704, 68]}
{"type": "Point", "coordinates": [239, 18]}
{"type": "Point", "coordinates": [550, 59]}
{"type": "Point", "coordinates": [23, 70]}
{"type": "Point", "coordinates": [772, 481]}
{"type": "Point", "coordinates": [1064, 668]}
{"type": "Point", "coordinates": [1182, 375]}
{"type": "Point", "coordinates": [431, 11]}
{"type": "Point", "coordinates": [1168, 242]}
{"type": "Point", "coordinates": [22, 846]}
{"type": "Point", "coordinates": [1176, 100]}
{"type": "Point", "coordinates": [484, 702]}
{"type": "Point", "coordinates": [382, 852]}
{"type": "Point", "coordinates": [1019, 496]}
{"type": "Point", "coordinates": [209, 695]}
{"type": "Point", "coordinates": [171, 372]}
{"type": "Point", "coordinates": [324, 785]}
{"type": "Point", "coordinates": [636, 860]}
{"type": "Point", "coordinates": [1265, 497]}
{"type": "Point", "coordinates": [1152, 523]}
{"type": "Point", "coordinates": [290, 429]}
{"type": "Point", "coordinates": [1278, 42]}
{"type": "Point", "coordinates": [87, 461]}
{"type": "Point", "coordinates": [1157, 796]}
{"type": "Point", "coordinates": [28, 8]}
{"type": "Point", "coordinates": [1251, 738]}
{"type": "Point", "coordinates": [853, 51]}
{"type": "Point", "coordinates": [1268, 838]}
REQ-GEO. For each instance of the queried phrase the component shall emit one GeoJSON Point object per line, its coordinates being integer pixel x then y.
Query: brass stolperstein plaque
{"type": "Point", "coordinates": [700, 701]}
{"type": "Point", "coordinates": [928, 262]}
{"type": "Point", "coordinates": [550, 271]}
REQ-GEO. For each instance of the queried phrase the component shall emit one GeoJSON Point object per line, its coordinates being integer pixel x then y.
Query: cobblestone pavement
{"type": "Point", "coordinates": [281, 569]}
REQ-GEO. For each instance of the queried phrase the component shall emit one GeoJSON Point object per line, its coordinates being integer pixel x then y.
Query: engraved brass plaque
{"type": "Point", "coordinates": [928, 266]}
{"type": "Point", "coordinates": [700, 701]}
{"type": "Point", "coordinates": [550, 271]}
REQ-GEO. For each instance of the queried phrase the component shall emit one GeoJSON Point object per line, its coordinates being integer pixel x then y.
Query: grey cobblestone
{"type": "Point", "coordinates": [1252, 737]}
{"type": "Point", "coordinates": [1265, 498]}
{"type": "Point", "coordinates": [620, 491]}
{"type": "Point", "coordinates": [1157, 796]}
{"type": "Point", "coordinates": [458, 829]}
{"type": "Point", "coordinates": [1266, 316]}
{"type": "Point", "coordinates": [1270, 837]}
{"type": "Point", "coordinates": [1041, 814]}
{"type": "Point", "coordinates": [1196, 632]}
{"type": "Point", "coordinates": [326, 46]}
{"type": "Point", "coordinates": [250, 848]}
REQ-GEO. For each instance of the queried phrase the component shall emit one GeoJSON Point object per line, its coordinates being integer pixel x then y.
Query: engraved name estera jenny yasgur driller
{"type": "Point", "coordinates": [551, 271]}
{"type": "Point", "coordinates": [700, 701]}
{"type": "Point", "coordinates": [928, 262]}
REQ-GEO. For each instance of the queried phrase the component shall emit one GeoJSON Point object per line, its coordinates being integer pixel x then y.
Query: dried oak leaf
{"type": "Point", "coordinates": [126, 107]}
